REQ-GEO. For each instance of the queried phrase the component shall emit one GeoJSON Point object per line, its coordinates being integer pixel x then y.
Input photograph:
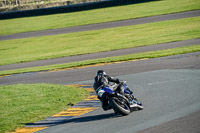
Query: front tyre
{"type": "Point", "coordinates": [119, 105]}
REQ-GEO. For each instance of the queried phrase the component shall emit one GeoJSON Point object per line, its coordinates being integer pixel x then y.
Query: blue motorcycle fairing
{"type": "Point", "coordinates": [103, 93]}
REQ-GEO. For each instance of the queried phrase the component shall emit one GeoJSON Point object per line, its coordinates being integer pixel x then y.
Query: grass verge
{"type": "Point", "coordinates": [28, 24]}
{"type": "Point", "coordinates": [39, 48]}
{"type": "Point", "coordinates": [153, 54]}
{"type": "Point", "coordinates": [28, 103]}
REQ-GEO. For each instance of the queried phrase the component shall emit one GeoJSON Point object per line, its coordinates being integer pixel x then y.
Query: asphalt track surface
{"type": "Point", "coordinates": [189, 61]}
{"type": "Point", "coordinates": [103, 25]}
{"type": "Point", "coordinates": [170, 97]}
{"type": "Point", "coordinates": [169, 88]}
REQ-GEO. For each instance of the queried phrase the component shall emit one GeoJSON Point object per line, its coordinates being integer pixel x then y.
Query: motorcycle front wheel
{"type": "Point", "coordinates": [120, 105]}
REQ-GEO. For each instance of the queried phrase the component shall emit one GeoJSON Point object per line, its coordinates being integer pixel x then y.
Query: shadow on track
{"type": "Point", "coordinates": [53, 121]}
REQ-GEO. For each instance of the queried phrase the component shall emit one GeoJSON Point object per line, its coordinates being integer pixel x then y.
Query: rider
{"type": "Point", "coordinates": [102, 80]}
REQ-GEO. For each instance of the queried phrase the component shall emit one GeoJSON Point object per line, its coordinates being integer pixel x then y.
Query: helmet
{"type": "Point", "coordinates": [101, 72]}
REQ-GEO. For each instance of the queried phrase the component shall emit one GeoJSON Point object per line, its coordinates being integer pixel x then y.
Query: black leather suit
{"type": "Point", "coordinates": [101, 81]}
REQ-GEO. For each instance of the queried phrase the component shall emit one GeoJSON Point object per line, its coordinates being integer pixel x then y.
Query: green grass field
{"type": "Point", "coordinates": [96, 16]}
{"type": "Point", "coordinates": [21, 104]}
{"type": "Point", "coordinates": [31, 49]}
{"type": "Point", "coordinates": [153, 54]}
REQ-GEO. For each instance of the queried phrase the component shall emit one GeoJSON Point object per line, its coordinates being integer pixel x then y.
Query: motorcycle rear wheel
{"type": "Point", "coordinates": [119, 105]}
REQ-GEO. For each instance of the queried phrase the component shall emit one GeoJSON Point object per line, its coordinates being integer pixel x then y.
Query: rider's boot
{"type": "Point", "coordinates": [106, 106]}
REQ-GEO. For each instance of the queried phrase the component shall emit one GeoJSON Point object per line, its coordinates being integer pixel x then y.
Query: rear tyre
{"type": "Point", "coordinates": [120, 105]}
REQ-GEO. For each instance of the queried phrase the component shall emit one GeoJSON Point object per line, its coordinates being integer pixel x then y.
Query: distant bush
{"type": "Point", "coordinates": [43, 9]}
{"type": "Point", "coordinates": [17, 5]}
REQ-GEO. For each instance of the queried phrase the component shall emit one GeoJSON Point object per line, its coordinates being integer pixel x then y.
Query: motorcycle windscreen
{"type": "Point", "coordinates": [127, 90]}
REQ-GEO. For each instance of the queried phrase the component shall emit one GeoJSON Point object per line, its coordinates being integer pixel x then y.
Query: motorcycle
{"type": "Point", "coordinates": [121, 102]}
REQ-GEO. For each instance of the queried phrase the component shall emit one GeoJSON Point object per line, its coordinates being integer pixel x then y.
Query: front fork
{"type": "Point", "coordinates": [131, 98]}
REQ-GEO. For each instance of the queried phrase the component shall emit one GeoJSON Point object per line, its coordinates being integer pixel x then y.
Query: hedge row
{"type": "Point", "coordinates": [67, 8]}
